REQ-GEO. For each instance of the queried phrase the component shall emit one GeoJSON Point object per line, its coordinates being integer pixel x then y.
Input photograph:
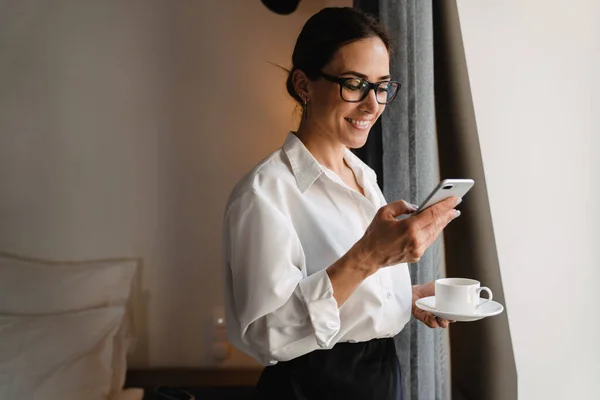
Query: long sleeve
{"type": "Point", "coordinates": [275, 312]}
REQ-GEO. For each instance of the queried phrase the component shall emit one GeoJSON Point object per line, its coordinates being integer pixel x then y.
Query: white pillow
{"type": "Point", "coordinates": [44, 287]}
{"type": "Point", "coordinates": [59, 357]}
{"type": "Point", "coordinates": [131, 394]}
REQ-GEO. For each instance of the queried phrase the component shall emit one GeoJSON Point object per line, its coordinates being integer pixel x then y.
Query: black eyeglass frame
{"type": "Point", "coordinates": [372, 86]}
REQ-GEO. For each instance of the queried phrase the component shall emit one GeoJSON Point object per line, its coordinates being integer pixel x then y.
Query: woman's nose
{"type": "Point", "coordinates": [370, 104]}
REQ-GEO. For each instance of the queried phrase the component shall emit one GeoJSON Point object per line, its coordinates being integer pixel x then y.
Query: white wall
{"type": "Point", "coordinates": [123, 126]}
{"type": "Point", "coordinates": [81, 109]}
{"type": "Point", "coordinates": [532, 69]}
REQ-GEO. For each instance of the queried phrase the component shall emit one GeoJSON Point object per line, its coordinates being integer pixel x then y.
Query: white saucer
{"type": "Point", "coordinates": [488, 309]}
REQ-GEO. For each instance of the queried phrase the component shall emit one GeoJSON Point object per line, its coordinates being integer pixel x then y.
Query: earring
{"type": "Point", "coordinates": [305, 107]}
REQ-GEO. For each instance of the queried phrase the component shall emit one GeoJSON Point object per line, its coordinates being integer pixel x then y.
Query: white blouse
{"type": "Point", "coordinates": [285, 222]}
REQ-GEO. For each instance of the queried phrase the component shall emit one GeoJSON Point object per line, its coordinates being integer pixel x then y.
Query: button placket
{"type": "Point", "coordinates": [354, 195]}
{"type": "Point", "coordinates": [386, 285]}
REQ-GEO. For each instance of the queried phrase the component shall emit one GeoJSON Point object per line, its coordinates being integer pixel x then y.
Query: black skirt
{"type": "Point", "coordinates": [365, 371]}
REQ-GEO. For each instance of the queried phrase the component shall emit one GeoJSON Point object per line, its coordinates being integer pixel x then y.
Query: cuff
{"type": "Point", "coordinates": [317, 294]}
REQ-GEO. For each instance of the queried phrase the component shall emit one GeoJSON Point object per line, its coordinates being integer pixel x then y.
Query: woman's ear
{"type": "Point", "coordinates": [301, 84]}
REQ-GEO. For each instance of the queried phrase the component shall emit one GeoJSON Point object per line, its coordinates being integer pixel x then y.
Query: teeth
{"type": "Point", "coordinates": [362, 124]}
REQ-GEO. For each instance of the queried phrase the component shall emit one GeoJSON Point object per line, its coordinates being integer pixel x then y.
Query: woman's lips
{"type": "Point", "coordinates": [359, 123]}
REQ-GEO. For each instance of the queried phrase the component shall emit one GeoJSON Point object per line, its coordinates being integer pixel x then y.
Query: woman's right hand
{"type": "Point", "coordinates": [388, 241]}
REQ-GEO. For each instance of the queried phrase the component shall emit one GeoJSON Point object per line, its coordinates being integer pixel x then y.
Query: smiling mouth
{"type": "Point", "coordinates": [360, 124]}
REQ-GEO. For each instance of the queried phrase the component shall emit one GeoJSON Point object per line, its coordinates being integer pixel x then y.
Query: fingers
{"type": "Point", "coordinates": [431, 320]}
{"type": "Point", "coordinates": [424, 228]}
{"type": "Point", "coordinates": [441, 213]}
{"type": "Point", "coordinates": [436, 322]}
{"type": "Point", "coordinates": [427, 318]}
{"type": "Point", "coordinates": [443, 323]}
{"type": "Point", "coordinates": [398, 208]}
{"type": "Point", "coordinates": [413, 235]}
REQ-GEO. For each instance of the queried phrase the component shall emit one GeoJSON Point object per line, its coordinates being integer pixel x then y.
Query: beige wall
{"type": "Point", "coordinates": [123, 126]}
{"type": "Point", "coordinates": [532, 66]}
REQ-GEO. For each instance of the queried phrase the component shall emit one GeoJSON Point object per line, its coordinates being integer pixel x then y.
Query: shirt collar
{"type": "Point", "coordinates": [307, 169]}
{"type": "Point", "coordinates": [358, 166]}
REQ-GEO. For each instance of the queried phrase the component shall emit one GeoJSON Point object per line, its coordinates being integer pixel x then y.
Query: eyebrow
{"type": "Point", "coordinates": [363, 76]}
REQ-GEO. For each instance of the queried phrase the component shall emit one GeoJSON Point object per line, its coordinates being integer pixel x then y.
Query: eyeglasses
{"type": "Point", "coordinates": [355, 90]}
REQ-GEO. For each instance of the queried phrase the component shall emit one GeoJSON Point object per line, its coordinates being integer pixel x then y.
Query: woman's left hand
{"type": "Point", "coordinates": [426, 290]}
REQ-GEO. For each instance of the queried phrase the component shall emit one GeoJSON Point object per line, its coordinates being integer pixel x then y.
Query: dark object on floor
{"type": "Point", "coordinates": [201, 393]}
{"type": "Point", "coordinates": [202, 383]}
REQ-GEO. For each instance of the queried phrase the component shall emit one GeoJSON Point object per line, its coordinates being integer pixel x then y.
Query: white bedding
{"type": "Point", "coordinates": [65, 329]}
{"type": "Point", "coordinates": [131, 394]}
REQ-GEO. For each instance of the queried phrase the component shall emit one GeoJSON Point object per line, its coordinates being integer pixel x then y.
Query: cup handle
{"type": "Point", "coordinates": [489, 292]}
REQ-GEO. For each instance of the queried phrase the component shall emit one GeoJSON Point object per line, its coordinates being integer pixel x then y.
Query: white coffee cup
{"type": "Point", "coordinates": [459, 295]}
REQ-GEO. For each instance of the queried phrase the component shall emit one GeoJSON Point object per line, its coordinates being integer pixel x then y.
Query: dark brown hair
{"type": "Point", "coordinates": [323, 35]}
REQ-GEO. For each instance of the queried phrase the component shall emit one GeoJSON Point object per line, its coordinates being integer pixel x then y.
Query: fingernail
{"type": "Point", "coordinates": [459, 201]}
{"type": "Point", "coordinates": [416, 207]}
{"type": "Point", "coordinates": [456, 213]}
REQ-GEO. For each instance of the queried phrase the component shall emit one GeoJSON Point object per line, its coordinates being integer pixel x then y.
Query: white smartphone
{"type": "Point", "coordinates": [445, 189]}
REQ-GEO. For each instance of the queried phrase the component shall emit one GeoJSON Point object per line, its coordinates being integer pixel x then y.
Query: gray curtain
{"type": "Point", "coordinates": [405, 142]}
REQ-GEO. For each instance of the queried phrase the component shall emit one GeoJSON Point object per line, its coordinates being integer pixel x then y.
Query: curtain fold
{"type": "Point", "coordinates": [483, 363]}
{"type": "Point", "coordinates": [404, 152]}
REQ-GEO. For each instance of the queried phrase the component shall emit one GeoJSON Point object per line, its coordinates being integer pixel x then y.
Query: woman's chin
{"type": "Point", "coordinates": [356, 138]}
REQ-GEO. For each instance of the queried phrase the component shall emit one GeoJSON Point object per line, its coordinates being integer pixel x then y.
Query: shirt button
{"type": "Point", "coordinates": [389, 295]}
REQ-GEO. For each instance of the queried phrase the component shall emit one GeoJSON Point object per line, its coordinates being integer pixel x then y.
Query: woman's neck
{"type": "Point", "coordinates": [325, 149]}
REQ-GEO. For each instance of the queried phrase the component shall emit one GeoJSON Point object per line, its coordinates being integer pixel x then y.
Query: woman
{"type": "Point", "coordinates": [316, 279]}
